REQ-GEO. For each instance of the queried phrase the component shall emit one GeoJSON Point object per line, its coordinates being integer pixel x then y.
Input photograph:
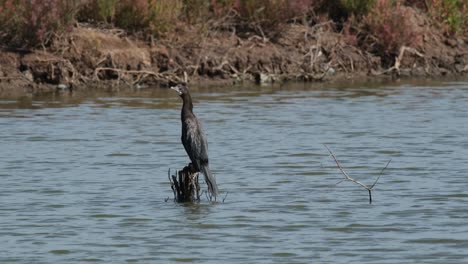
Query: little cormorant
{"type": "Point", "coordinates": [194, 139]}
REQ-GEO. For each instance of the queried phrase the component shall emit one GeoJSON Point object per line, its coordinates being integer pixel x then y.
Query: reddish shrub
{"type": "Point", "coordinates": [31, 22]}
{"type": "Point", "coordinates": [300, 7]}
{"type": "Point", "coordinates": [388, 23]}
{"type": "Point", "coordinates": [349, 35]}
{"type": "Point", "coordinates": [221, 7]}
{"type": "Point", "coordinates": [265, 17]}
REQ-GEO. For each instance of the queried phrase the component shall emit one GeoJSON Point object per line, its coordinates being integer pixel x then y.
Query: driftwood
{"type": "Point", "coordinates": [185, 185]}
{"type": "Point", "coordinates": [398, 60]}
{"type": "Point", "coordinates": [349, 178]}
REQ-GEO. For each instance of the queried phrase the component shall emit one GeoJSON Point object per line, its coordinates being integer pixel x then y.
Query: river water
{"type": "Point", "coordinates": [84, 176]}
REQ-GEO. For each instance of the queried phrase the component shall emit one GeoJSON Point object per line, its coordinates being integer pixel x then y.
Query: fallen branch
{"type": "Point", "coordinates": [396, 66]}
{"type": "Point", "coordinates": [402, 52]}
{"type": "Point", "coordinates": [349, 178]}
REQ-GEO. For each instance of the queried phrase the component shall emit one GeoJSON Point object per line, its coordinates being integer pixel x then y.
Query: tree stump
{"type": "Point", "coordinates": [185, 185]}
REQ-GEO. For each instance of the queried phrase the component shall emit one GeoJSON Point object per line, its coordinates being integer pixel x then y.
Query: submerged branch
{"type": "Point", "coordinates": [381, 172]}
{"type": "Point", "coordinates": [349, 178]}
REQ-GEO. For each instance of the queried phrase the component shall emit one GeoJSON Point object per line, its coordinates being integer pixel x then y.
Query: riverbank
{"type": "Point", "coordinates": [103, 56]}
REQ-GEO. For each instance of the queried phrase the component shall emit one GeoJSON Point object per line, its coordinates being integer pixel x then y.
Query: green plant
{"type": "Point", "coordinates": [358, 7]}
{"type": "Point", "coordinates": [148, 16]}
{"type": "Point", "coordinates": [452, 13]}
{"type": "Point", "coordinates": [195, 11]}
{"type": "Point", "coordinates": [163, 15]}
{"type": "Point", "coordinates": [97, 10]}
{"type": "Point", "coordinates": [107, 9]}
{"type": "Point", "coordinates": [266, 17]}
{"type": "Point", "coordinates": [132, 15]}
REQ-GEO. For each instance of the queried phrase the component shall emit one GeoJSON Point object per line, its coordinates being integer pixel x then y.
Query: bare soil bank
{"type": "Point", "coordinates": [91, 57]}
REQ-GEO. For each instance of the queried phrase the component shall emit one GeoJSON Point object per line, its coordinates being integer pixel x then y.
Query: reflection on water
{"type": "Point", "coordinates": [84, 176]}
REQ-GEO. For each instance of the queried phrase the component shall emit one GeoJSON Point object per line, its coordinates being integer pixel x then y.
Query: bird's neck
{"type": "Point", "coordinates": [187, 108]}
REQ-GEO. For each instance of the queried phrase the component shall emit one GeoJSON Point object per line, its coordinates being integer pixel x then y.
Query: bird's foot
{"type": "Point", "coordinates": [191, 168]}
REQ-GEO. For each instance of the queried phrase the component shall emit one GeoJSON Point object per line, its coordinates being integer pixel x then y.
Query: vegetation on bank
{"type": "Point", "coordinates": [380, 26]}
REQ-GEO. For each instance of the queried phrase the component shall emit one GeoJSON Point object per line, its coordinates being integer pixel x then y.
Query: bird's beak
{"type": "Point", "coordinates": [177, 89]}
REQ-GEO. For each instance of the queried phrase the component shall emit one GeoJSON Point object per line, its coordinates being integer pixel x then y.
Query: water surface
{"type": "Point", "coordinates": [84, 176]}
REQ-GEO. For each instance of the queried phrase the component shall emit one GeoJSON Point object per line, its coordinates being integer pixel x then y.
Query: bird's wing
{"type": "Point", "coordinates": [195, 142]}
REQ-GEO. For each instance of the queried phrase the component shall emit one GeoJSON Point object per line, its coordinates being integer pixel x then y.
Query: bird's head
{"type": "Point", "coordinates": [180, 88]}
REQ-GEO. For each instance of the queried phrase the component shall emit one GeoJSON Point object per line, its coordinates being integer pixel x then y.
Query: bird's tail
{"type": "Point", "coordinates": [210, 180]}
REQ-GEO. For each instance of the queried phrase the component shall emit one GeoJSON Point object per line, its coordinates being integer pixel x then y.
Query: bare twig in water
{"type": "Point", "coordinates": [210, 197]}
{"type": "Point", "coordinates": [349, 178]}
{"type": "Point", "coordinates": [173, 186]}
{"type": "Point", "coordinates": [225, 196]}
{"type": "Point", "coordinates": [381, 172]}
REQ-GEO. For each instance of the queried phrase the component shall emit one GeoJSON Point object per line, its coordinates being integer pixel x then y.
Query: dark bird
{"type": "Point", "coordinates": [194, 139]}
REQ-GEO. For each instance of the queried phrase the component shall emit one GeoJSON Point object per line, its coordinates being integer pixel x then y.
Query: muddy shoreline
{"type": "Point", "coordinates": [88, 58]}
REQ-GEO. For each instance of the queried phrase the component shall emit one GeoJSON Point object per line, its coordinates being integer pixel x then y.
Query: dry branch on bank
{"type": "Point", "coordinates": [41, 67]}
{"type": "Point", "coordinates": [399, 59]}
{"type": "Point", "coordinates": [349, 178]}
